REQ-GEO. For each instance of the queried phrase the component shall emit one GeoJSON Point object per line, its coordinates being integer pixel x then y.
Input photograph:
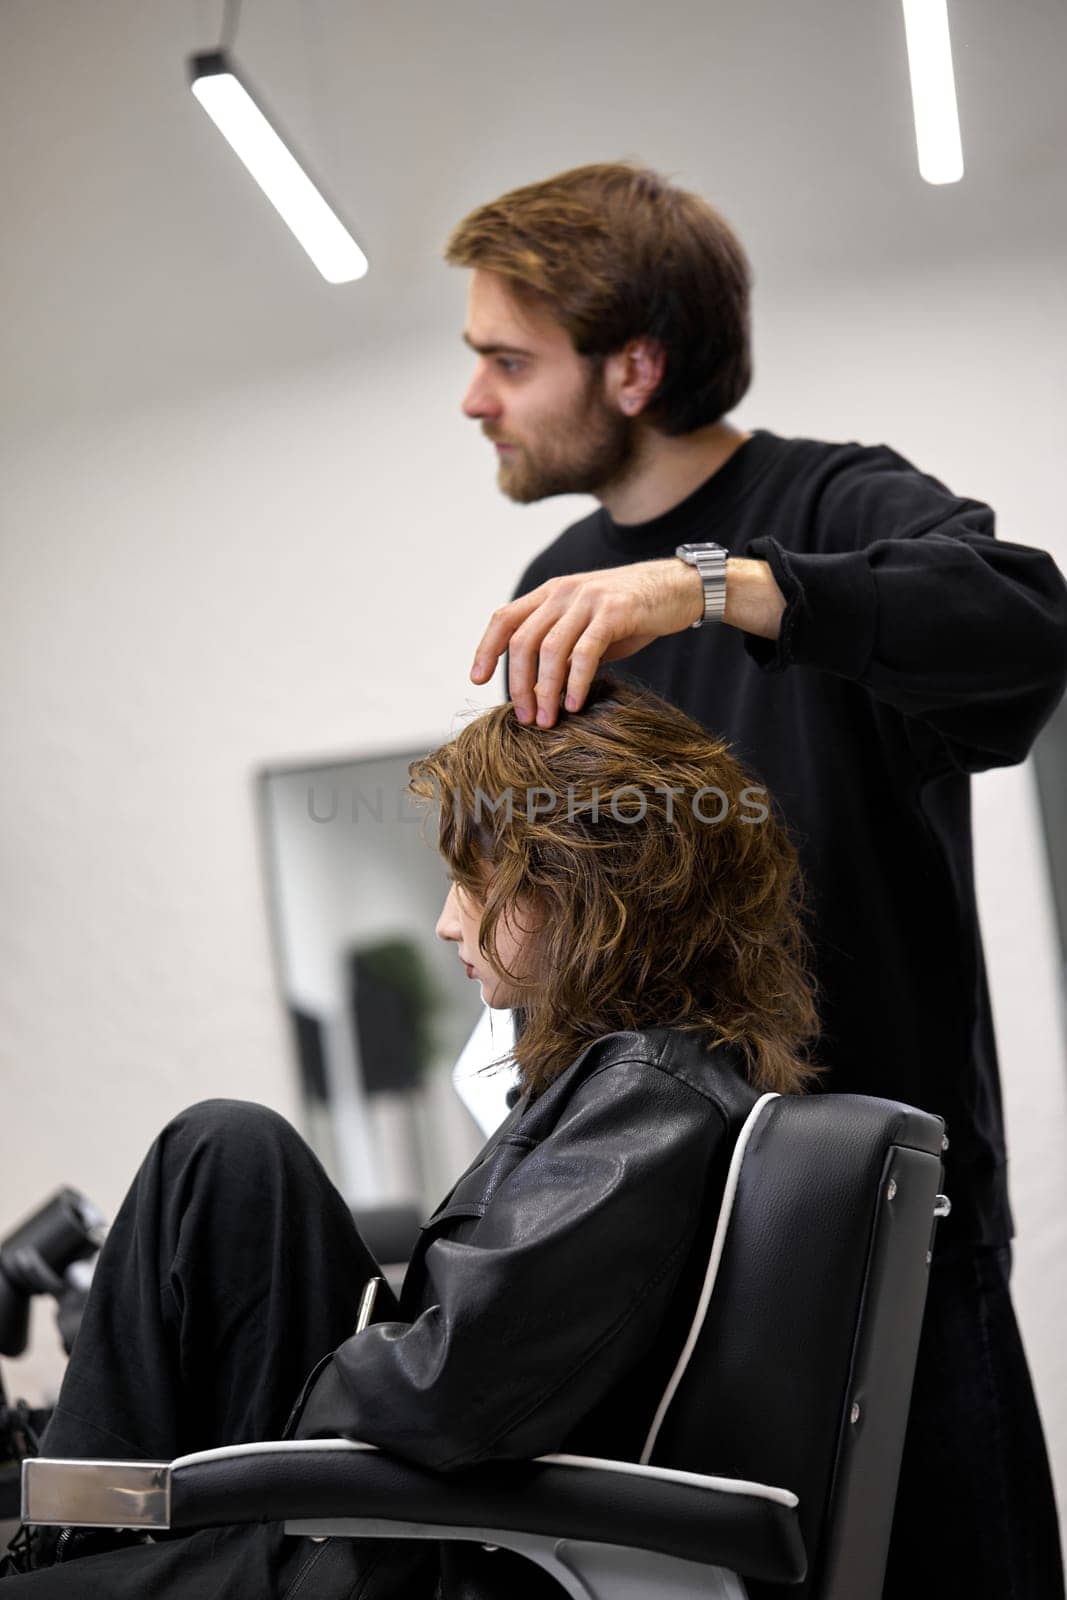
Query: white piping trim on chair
{"type": "Point", "coordinates": [261, 1446]}
{"type": "Point", "coordinates": [699, 1480]}
{"type": "Point", "coordinates": [733, 1177]}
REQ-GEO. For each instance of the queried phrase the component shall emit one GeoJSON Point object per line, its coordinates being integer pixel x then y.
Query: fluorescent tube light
{"type": "Point", "coordinates": [283, 180]}
{"type": "Point", "coordinates": [933, 91]}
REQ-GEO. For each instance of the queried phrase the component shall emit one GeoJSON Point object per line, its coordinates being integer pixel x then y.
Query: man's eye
{"type": "Point", "coordinates": [507, 365]}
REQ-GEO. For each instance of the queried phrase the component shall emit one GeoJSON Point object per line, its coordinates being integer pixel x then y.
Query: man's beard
{"type": "Point", "coordinates": [593, 446]}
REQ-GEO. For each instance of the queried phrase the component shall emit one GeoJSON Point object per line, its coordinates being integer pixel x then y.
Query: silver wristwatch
{"type": "Point", "coordinates": [710, 561]}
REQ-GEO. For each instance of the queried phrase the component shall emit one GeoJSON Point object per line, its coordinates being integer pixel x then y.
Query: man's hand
{"type": "Point", "coordinates": [561, 632]}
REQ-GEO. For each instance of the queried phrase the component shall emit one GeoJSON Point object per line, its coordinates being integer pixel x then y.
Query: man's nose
{"type": "Point", "coordinates": [479, 400]}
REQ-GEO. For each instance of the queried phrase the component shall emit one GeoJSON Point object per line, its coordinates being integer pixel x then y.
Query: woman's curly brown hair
{"type": "Point", "coordinates": [666, 892]}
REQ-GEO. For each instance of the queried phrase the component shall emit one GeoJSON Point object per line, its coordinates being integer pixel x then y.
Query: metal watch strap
{"type": "Point", "coordinates": [710, 561]}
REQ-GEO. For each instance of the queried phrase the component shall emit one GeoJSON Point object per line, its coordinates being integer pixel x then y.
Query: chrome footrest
{"type": "Point", "coordinates": [96, 1494]}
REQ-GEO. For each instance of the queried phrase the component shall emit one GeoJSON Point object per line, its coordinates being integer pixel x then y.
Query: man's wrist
{"type": "Point", "coordinates": [754, 602]}
{"type": "Point", "coordinates": [694, 591]}
{"type": "Point", "coordinates": [709, 561]}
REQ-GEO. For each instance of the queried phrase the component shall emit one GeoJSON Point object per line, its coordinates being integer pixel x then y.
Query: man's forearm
{"type": "Point", "coordinates": [754, 602]}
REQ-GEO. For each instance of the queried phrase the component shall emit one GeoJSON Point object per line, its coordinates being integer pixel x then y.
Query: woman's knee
{"type": "Point", "coordinates": [240, 1125]}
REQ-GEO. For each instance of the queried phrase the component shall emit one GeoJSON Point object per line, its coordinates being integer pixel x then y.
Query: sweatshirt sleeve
{"type": "Point", "coordinates": [557, 1294]}
{"type": "Point", "coordinates": [904, 589]}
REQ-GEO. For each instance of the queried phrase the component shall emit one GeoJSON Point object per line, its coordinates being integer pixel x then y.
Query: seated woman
{"type": "Point", "coordinates": [619, 881]}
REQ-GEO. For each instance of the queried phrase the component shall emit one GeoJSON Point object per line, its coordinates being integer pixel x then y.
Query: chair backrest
{"type": "Point", "coordinates": [801, 1367]}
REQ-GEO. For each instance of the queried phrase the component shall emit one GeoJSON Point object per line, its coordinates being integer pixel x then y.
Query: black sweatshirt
{"type": "Point", "coordinates": [915, 649]}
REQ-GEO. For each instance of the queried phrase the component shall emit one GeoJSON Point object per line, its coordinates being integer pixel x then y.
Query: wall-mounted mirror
{"type": "Point", "coordinates": [381, 1009]}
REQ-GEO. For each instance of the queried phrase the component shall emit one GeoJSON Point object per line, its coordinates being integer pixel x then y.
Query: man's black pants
{"type": "Point", "coordinates": [234, 1265]}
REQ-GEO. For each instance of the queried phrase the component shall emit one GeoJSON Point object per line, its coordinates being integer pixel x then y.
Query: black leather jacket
{"type": "Point", "coordinates": [550, 1292]}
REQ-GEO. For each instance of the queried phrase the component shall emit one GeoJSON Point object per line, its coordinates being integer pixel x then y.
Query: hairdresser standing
{"type": "Point", "coordinates": [866, 643]}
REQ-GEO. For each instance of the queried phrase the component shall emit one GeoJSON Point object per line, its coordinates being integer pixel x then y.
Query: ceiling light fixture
{"type": "Point", "coordinates": [933, 91]}
{"type": "Point", "coordinates": [239, 118]}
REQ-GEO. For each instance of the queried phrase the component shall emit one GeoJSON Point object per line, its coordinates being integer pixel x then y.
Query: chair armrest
{"type": "Point", "coordinates": [749, 1528]}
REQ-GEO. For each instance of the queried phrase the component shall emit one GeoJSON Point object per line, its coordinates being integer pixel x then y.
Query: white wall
{"type": "Point", "coordinates": [302, 569]}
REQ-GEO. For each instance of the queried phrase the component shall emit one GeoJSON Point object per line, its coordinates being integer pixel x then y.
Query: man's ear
{"type": "Point", "coordinates": [633, 374]}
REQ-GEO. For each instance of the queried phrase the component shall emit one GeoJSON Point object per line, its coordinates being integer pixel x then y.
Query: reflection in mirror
{"type": "Point", "coordinates": [381, 1010]}
{"type": "Point", "coordinates": [1050, 765]}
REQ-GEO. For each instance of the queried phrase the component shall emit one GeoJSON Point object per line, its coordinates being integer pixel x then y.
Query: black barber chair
{"type": "Point", "coordinates": [771, 1467]}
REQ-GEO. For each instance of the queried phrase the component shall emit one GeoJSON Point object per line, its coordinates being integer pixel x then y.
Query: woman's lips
{"type": "Point", "coordinates": [469, 968]}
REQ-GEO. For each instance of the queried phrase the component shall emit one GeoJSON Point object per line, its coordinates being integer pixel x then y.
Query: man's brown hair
{"type": "Point", "coordinates": [615, 251]}
{"type": "Point", "coordinates": [664, 891]}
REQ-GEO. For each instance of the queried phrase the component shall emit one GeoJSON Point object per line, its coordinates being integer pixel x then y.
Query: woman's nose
{"type": "Point", "coordinates": [448, 922]}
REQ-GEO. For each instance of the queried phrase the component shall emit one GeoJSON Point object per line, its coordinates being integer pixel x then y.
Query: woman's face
{"type": "Point", "coordinates": [459, 922]}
